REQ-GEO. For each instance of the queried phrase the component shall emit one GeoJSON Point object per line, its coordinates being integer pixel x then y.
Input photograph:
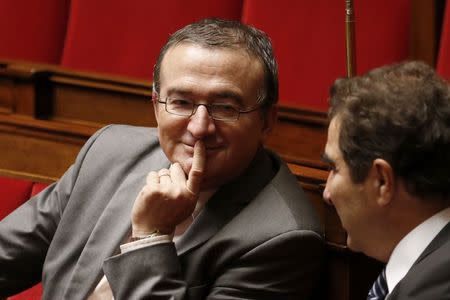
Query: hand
{"type": "Point", "coordinates": [168, 197]}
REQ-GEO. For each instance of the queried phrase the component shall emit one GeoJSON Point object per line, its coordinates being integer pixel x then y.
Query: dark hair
{"type": "Point", "coordinates": [218, 33]}
{"type": "Point", "coordinates": [400, 113]}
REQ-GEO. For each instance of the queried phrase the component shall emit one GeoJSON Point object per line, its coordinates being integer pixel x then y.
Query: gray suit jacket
{"type": "Point", "coordinates": [257, 237]}
{"type": "Point", "coordinates": [429, 277]}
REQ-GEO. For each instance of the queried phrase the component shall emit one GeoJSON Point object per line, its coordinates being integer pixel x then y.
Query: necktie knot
{"type": "Point", "coordinates": [379, 288]}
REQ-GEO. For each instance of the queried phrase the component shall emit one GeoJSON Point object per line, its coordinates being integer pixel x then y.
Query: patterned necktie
{"type": "Point", "coordinates": [379, 289]}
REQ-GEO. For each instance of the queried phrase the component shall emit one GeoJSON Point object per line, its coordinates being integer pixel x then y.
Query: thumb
{"type": "Point", "coordinates": [196, 173]}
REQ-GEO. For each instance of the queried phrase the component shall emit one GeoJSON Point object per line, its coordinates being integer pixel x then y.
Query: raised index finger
{"type": "Point", "coordinates": [196, 173]}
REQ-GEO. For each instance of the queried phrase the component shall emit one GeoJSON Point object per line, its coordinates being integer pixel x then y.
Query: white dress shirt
{"type": "Point", "coordinates": [412, 245]}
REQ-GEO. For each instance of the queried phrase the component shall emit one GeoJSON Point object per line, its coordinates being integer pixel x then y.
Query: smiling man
{"type": "Point", "coordinates": [195, 209]}
{"type": "Point", "coordinates": [389, 151]}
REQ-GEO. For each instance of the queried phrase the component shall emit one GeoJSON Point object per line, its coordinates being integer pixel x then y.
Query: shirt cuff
{"type": "Point", "coordinates": [146, 242]}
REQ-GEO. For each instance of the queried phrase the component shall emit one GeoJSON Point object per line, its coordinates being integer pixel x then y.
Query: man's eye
{"type": "Point", "coordinates": [225, 108]}
{"type": "Point", "coordinates": [331, 168]}
{"type": "Point", "coordinates": [180, 102]}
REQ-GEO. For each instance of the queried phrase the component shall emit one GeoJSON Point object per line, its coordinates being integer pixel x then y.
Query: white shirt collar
{"type": "Point", "coordinates": [412, 245]}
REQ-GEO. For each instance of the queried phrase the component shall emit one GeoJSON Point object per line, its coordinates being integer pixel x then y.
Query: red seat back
{"type": "Point", "coordinates": [33, 30]}
{"type": "Point", "coordinates": [13, 192]}
{"type": "Point", "coordinates": [309, 41]}
{"type": "Point", "coordinates": [124, 37]}
{"type": "Point", "coordinates": [443, 62]}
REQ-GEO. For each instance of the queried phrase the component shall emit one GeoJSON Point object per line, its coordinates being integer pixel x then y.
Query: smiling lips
{"type": "Point", "coordinates": [209, 148]}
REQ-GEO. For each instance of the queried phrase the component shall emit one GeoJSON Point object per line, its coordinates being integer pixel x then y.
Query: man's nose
{"type": "Point", "coordinates": [326, 195]}
{"type": "Point", "coordinates": [200, 123]}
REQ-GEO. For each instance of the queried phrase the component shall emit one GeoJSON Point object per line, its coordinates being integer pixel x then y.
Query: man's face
{"type": "Point", "coordinates": [207, 76]}
{"type": "Point", "coordinates": [353, 202]}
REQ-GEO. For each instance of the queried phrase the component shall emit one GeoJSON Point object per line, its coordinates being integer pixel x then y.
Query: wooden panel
{"type": "Point", "coordinates": [300, 136]}
{"type": "Point", "coordinates": [79, 104]}
{"type": "Point", "coordinates": [28, 176]}
{"type": "Point", "coordinates": [6, 96]}
{"type": "Point", "coordinates": [37, 147]}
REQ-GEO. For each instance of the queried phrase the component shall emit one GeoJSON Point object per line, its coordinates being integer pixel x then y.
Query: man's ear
{"type": "Point", "coordinates": [384, 181]}
{"type": "Point", "coordinates": [270, 119]}
{"type": "Point", "coordinates": [155, 104]}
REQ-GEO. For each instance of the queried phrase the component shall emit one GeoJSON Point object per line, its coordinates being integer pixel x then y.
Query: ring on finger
{"type": "Point", "coordinates": [164, 172]}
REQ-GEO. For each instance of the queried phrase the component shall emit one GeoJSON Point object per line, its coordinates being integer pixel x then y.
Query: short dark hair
{"type": "Point", "coordinates": [218, 33]}
{"type": "Point", "coordinates": [400, 113]}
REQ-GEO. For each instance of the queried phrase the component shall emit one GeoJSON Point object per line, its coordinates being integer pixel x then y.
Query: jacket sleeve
{"type": "Point", "coordinates": [26, 233]}
{"type": "Point", "coordinates": [287, 266]}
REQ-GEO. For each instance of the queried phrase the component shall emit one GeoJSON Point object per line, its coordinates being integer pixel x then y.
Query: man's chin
{"type": "Point", "coordinates": [351, 244]}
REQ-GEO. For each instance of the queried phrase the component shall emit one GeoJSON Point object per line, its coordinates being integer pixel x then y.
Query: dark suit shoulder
{"type": "Point", "coordinates": [429, 278]}
{"type": "Point", "coordinates": [121, 145]}
{"type": "Point", "coordinates": [279, 207]}
{"type": "Point", "coordinates": [125, 137]}
{"type": "Point", "coordinates": [292, 201]}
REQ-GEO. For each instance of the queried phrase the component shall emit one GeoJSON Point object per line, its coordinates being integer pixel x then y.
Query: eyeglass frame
{"type": "Point", "coordinates": [208, 108]}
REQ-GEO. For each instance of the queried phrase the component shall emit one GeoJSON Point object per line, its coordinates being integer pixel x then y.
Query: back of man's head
{"type": "Point", "coordinates": [228, 34]}
{"type": "Point", "coordinates": [400, 113]}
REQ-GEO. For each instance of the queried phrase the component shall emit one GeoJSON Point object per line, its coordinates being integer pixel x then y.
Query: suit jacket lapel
{"type": "Point", "coordinates": [442, 237]}
{"type": "Point", "coordinates": [227, 202]}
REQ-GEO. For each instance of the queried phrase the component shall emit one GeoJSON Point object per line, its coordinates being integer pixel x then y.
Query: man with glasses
{"type": "Point", "coordinates": [194, 209]}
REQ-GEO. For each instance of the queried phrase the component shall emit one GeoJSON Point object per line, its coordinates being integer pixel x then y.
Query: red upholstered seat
{"type": "Point", "coordinates": [38, 187]}
{"type": "Point", "coordinates": [13, 192]}
{"type": "Point", "coordinates": [124, 37]}
{"type": "Point", "coordinates": [33, 30]}
{"type": "Point", "coordinates": [33, 293]}
{"type": "Point", "coordinates": [443, 63]}
{"type": "Point", "coordinates": [309, 41]}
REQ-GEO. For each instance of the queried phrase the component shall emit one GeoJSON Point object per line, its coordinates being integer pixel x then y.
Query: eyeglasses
{"type": "Point", "coordinates": [217, 111]}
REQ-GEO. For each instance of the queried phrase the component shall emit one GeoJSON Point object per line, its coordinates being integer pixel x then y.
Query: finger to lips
{"type": "Point", "coordinates": [198, 167]}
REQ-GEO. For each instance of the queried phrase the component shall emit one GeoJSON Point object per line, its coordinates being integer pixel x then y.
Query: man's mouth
{"type": "Point", "coordinates": [209, 148]}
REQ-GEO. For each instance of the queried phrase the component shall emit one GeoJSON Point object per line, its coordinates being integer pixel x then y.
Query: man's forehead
{"type": "Point", "coordinates": [237, 52]}
{"type": "Point", "coordinates": [334, 130]}
{"type": "Point", "coordinates": [332, 150]}
{"type": "Point", "coordinates": [187, 66]}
